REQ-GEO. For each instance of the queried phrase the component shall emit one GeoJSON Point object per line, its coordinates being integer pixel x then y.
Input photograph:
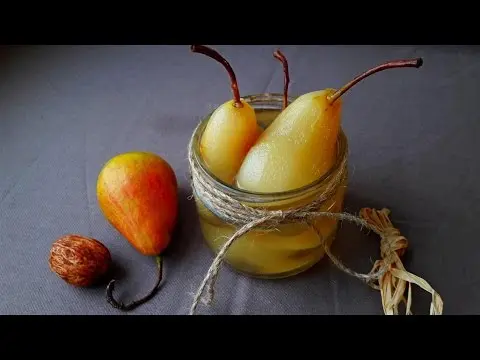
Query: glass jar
{"type": "Point", "coordinates": [289, 248]}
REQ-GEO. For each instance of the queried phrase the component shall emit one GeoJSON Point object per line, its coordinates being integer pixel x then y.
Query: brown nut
{"type": "Point", "coordinates": [79, 260]}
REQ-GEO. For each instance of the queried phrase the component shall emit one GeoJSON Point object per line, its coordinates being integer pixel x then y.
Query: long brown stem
{"type": "Point", "coordinates": [416, 63]}
{"type": "Point", "coordinates": [134, 304]}
{"type": "Point", "coordinates": [201, 49]}
{"type": "Point", "coordinates": [278, 55]}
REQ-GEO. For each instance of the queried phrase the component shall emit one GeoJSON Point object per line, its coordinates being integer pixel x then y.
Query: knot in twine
{"type": "Point", "coordinates": [387, 275]}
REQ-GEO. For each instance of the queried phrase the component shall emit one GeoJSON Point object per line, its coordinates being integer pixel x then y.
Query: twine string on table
{"type": "Point", "coordinates": [388, 275]}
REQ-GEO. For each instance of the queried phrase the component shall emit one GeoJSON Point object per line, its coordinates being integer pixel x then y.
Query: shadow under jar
{"type": "Point", "coordinates": [288, 249]}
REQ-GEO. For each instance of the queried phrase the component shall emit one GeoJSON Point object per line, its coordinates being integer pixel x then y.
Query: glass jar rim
{"type": "Point", "coordinates": [342, 151]}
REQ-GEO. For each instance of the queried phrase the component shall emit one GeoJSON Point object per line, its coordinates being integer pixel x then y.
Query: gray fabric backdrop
{"type": "Point", "coordinates": [65, 110]}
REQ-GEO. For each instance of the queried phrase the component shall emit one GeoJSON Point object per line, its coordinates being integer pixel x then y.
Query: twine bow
{"type": "Point", "coordinates": [387, 275]}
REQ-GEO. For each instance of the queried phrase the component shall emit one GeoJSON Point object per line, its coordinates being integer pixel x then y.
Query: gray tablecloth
{"type": "Point", "coordinates": [65, 110]}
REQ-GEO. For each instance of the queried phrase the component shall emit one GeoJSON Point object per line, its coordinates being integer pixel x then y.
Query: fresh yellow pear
{"type": "Point", "coordinates": [300, 145]}
{"type": "Point", "coordinates": [231, 130]}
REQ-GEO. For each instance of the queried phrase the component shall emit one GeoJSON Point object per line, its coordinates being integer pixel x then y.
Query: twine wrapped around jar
{"type": "Point", "coordinates": [388, 275]}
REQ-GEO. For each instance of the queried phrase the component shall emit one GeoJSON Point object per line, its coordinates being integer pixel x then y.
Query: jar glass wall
{"type": "Point", "coordinates": [288, 249]}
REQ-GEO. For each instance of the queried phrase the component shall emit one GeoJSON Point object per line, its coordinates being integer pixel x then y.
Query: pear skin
{"type": "Point", "coordinates": [227, 138]}
{"type": "Point", "coordinates": [296, 149]}
{"type": "Point", "coordinates": [137, 193]}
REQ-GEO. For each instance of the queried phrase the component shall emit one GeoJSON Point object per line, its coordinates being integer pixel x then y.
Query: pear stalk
{"type": "Point", "coordinates": [278, 55]}
{"type": "Point", "coordinates": [130, 306]}
{"type": "Point", "coordinates": [416, 63]}
{"type": "Point", "coordinates": [201, 49]}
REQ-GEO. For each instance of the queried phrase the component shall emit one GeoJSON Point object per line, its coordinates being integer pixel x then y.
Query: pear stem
{"type": "Point", "coordinates": [136, 303]}
{"type": "Point", "coordinates": [416, 63]}
{"type": "Point", "coordinates": [201, 49]}
{"type": "Point", "coordinates": [278, 55]}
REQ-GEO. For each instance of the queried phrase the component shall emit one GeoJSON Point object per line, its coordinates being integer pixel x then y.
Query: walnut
{"type": "Point", "coordinates": [79, 260]}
